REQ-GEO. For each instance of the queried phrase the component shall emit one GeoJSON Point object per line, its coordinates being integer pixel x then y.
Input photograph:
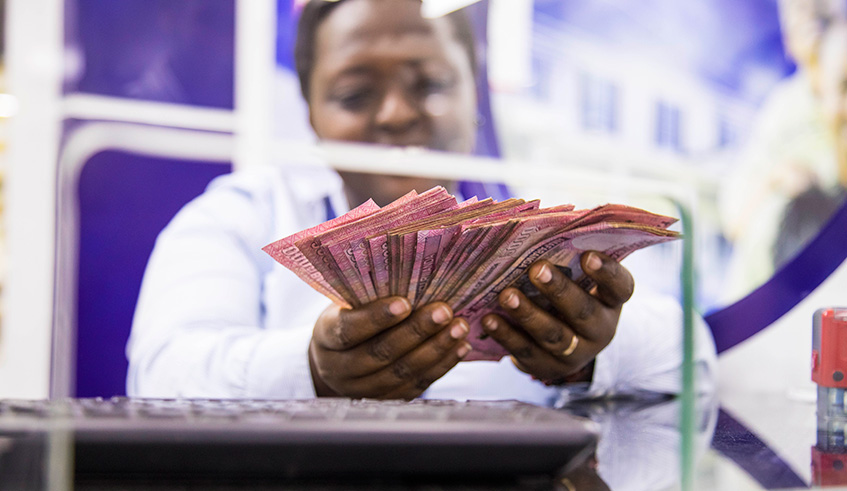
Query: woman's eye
{"type": "Point", "coordinates": [429, 86]}
{"type": "Point", "coordinates": [354, 100]}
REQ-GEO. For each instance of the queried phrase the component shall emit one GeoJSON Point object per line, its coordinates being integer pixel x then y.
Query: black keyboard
{"type": "Point", "coordinates": [279, 440]}
{"type": "Point", "coordinates": [264, 411]}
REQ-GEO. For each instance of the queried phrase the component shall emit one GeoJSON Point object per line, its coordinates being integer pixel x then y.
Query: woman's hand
{"type": "Point", "coordinates": [556, 346]}
{"type": "Point", "coordinates": [384, 350]}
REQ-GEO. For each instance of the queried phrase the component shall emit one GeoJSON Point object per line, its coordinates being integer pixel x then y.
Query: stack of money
{"type": "Point", "coordinates": [429, 247]}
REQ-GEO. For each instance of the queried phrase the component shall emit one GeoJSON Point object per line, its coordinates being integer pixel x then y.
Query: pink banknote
{"type": "Point", "coordinates": [429, 247]}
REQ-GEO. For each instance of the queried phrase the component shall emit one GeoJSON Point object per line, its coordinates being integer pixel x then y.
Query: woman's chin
{"type": "Point", "coordinates": [385, 189]}
{"type": "Point", "coordinates": [389, 188]}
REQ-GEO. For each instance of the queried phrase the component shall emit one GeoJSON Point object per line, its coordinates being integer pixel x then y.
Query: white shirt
{"type": "Point", "coordinates": [218, 317]}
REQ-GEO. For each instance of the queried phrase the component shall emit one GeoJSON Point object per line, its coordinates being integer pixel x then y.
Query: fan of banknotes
{"type": "Point", "coordinates": [430, 247]}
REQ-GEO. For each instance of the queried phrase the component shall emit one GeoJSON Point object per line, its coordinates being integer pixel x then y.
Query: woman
{"type": "Point", "coordinates": [217, 318]}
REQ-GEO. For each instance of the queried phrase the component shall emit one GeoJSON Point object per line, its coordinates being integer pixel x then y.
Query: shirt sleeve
{"type": "Point", "coordinates": [200, 324]}
{"type": "Point", "coordinates": [646, 354]}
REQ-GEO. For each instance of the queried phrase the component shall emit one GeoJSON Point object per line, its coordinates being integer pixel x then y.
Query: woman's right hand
{"type": "Point", "coordinates": [384, 350]}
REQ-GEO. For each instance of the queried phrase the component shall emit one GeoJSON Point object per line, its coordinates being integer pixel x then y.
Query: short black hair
{"type": "Point", "coordinates": [315, 11]}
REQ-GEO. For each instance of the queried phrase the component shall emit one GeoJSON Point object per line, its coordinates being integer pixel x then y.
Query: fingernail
{"type": "Point", "coordinates": [490, 324]}
{"type": "Point", "coordinates": [441, 315]}
{"type": "Point", "coordinates": [593, 263]}
{"type": "Point", "coordinates": [398, 307]}
{"type": "Point", "coordinates": [459, 330]}
{"type": "Point", "coordinates": [463, 350]}
{"type": "Point", "coordinates": [544, 275]}
{"type": "Point", "coordinates": [512, 301]}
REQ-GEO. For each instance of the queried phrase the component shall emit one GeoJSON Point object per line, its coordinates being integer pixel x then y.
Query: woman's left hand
{"type": "Point", "coordinates": [555, 346]}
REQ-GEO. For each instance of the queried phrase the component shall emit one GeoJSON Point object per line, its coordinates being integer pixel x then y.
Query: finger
{"type": "Point", "coordinates": [342, 329]}
{"type": "Point", "coordinates": [415, 368]}
{"type": "Point", "coordinates": [392, 344]}
{"type": "Point", "coordinates": [416, 387]}
{"type": "Point", "coordinates": [578, 309]}
{"type": "Point", "coordinates": [528, 356]}
{"type": "Point", "coordinates": [614, 282]}
{"type": "Point", "coordinates": [542, 327]}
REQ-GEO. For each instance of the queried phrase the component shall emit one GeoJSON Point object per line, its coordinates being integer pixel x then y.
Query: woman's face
{"type": "Point", "coordinates": [384, 75]}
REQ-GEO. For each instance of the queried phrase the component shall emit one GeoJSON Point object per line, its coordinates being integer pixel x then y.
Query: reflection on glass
{"type": "Point", "coordinates": [23, 462]}
{"type": "Point", "coordinates": [639, 446]}
{"type": "Point", "coordinates": [829, 455]}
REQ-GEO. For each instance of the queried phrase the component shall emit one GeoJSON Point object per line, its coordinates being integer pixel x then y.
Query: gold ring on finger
{"type": "Point", "coordinates": [567, 484]}
{"type": "Point", "coordinates": [572, 347]}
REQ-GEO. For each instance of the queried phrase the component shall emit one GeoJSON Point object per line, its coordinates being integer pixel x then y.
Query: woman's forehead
{"type": "Point", "coordinates": [394, 28]}
{"type": "Point", "coordinates": [366, 17]}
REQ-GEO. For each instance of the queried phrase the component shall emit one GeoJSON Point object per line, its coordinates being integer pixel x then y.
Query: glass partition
{"type": "Point", "coordinates": [638, 428]}
{"type": "Point", "coordinates": [716, 112]}
{"type": "Point", "coordinates": [727, 115]}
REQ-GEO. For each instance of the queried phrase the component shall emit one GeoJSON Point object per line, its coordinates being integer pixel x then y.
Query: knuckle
{"type": "Point", "coordinates": [611, 270]}
{"type": "Point", "coordinates": [559, 288]}
{"type": "Point", "coordinates": [607, 334]}
{"type": "Point", "coordinates": [586, 310]}
{"type": "Point", "coordinates": [325, 374]}
{"type": "Point", "coordinates": [628, 291]}
{"type": "Point", "coordinates": [410, 394]}
{"type": "Point", "coordinates": [340, 334]}
{"type": "Point", "coordinates": [553, 336]}
{"type": "Point", "coordinates": [524, 352]}
{"type": "Point", "coordinates": [401, 370]}
{"type": "Point", "coordinates": [423, 383]}
{"type": "Point", "coordinates": [379, 351]}
{"type": "Point", "coordinates": [618, 283]}
{"type": "Point", "coordinates": [442, 345]}
{"type": "Point", "coordinates": [525, 315]}
{"type": "Point", "coordinates": [417, 328]}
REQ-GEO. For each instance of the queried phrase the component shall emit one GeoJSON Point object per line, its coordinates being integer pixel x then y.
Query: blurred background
{"type": "Point", "coordinates": [114, 114]}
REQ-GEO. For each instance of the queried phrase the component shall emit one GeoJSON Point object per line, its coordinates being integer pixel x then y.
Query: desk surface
{"type": "Point", "coordinates": [746, 442]}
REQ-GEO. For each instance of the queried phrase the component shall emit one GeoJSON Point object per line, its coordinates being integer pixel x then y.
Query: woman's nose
{"type": "Point", "coordinates": [397, 111]}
